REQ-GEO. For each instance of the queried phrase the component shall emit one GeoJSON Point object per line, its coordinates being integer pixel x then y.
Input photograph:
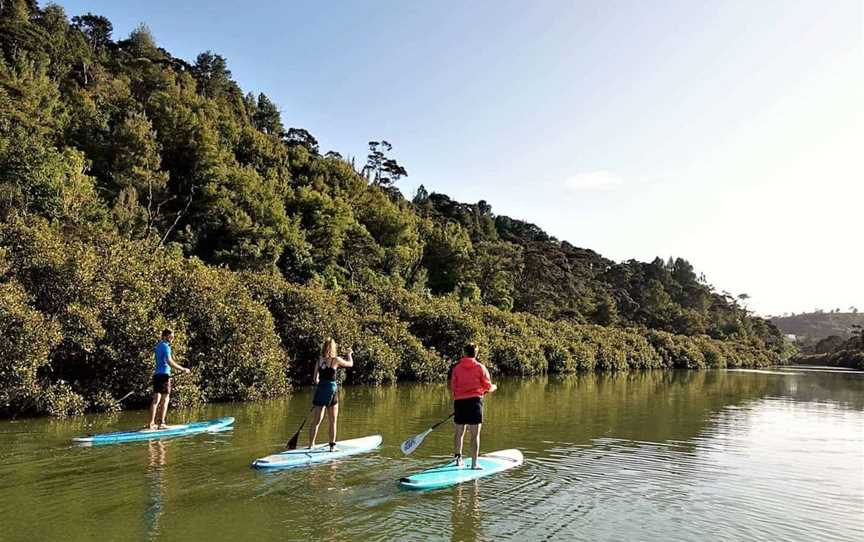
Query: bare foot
{"type": "Point", "coordinates": [162, 426]}
{"type": "Point", "coordinates": [459, 462]}
{"type": "Point", "coordinates": [476, 467]}
{"type": "Point", "coordinates": [150, 426]}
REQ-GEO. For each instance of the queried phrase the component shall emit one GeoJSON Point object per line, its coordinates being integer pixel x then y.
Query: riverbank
{"type": "Point", "coordinates": [844, 358]}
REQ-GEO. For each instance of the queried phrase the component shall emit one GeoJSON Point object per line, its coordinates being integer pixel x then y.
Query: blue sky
{"type": "Point", "coordinates": [728, 133]}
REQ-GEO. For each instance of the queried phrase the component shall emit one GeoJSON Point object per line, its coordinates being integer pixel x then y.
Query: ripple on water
{"type": "Point", "coordinates": [772, 466]}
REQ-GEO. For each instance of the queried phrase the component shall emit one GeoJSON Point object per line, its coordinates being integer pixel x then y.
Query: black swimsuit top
{"type": "Point", "coordinates": [325, 372]}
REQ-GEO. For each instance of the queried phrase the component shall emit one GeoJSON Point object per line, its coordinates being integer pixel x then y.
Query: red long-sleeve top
{"type": "Point", "coordinates": [469, 379]}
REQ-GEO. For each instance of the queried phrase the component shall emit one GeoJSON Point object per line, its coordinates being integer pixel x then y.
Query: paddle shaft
{"type": "Point", "coordinates": [414, 442]}
{"type": "Point", "coordinates": [444, 420]}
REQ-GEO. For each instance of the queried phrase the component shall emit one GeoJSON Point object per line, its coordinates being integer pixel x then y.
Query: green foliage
{"type": "Point", "coordinates": [28, 339]}
{"type": "Point", "coordinates": [58, 399]}
{"type": "Point", "coordinates": [677, 351]}
{"type": "Point", "coordinates": [231, 338]}
{"type": "Point", "coordinates": [138, 191]}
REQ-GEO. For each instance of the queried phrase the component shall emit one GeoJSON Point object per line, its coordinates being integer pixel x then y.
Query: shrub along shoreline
{"type": "Point", "coordinates": [81, 311]}
{"type": "Point", "coordinates": [850, 359]}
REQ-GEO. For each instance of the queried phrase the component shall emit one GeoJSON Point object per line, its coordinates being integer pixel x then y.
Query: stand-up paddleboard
{"type": "Point", "coordinates": [319, 454]}
{"type": "Point", "coordinates": [449, 474]}
{"type": "Point", "coordinates": [209, 426]}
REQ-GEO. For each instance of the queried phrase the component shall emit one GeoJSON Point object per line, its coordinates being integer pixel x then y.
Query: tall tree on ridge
{"type": "Point", "coordinates": [266, 116]}
{"type": "Point", "coordinates": [381, 170]}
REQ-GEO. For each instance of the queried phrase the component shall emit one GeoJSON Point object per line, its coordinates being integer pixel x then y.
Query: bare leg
{"type": "Point", "coordinates": [475, 444]}
{"type": "Point", "coordinates": [164, 411]}
{"type": "Point", "coordinates": [153, 405]}
{"type": "Point", "coordinates": [332, 415]}
{"type": "Point", "coordinates": [457, 442]}
{"type": "Point", "coordinates": [317, 416]}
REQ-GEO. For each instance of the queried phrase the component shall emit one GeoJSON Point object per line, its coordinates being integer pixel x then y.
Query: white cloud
{"type": "Point", "coordinates": [593, 180]}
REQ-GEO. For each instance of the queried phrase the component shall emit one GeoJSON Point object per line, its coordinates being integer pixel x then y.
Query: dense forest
{"type": "Point", "coordinates": [140, 191]}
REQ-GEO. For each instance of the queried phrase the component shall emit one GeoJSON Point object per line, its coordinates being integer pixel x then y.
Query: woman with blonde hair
{"type": "Point", "coordinates": [326, 389]}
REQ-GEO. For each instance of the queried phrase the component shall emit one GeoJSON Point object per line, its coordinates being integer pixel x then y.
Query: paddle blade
{"type": "Point", "coordinates": [414, 442]}
{"type": "Point", "coordinates": [292, 444]}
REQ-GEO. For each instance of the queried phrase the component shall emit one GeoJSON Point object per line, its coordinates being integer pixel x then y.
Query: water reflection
{"type": "Point", "coordinates": [712, 455]}
{"type": "Point", "coordinates": [155, 473]}
{"type": "Point", "coordinates": [466, 515]}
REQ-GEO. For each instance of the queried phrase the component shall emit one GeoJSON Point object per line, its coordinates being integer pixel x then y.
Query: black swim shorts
{"type": "Point", "coordinates": [468, 411]}
{"type": "Point", "coordinates": [161, 383]}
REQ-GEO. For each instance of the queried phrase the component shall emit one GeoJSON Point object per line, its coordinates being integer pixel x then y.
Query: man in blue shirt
{"type": "Point", "coordinates": [162, 379]}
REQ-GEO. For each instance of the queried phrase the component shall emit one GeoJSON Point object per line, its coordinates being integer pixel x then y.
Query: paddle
{"type": "Point", "coordinates": [118, 401]}
{"type": "Point", "coordinates": [292, 442]}
{"type": "Point", "coordinates": [414, 442]}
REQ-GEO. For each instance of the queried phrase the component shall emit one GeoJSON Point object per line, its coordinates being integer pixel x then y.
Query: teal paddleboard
{"type": "Point", "coordinates": [208, 426]}
{"type": "Point", "coordinates": [449, 474]}
{"type": "Point", "coordinates": [319, 454]}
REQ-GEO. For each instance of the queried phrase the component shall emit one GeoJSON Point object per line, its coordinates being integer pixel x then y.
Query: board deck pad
{"type": "Point", "coordinates": [207, 426]}
{"type": "Point", "coordinates": [319, 454]}
{"type": "Point", "coordinates": [449, 474]}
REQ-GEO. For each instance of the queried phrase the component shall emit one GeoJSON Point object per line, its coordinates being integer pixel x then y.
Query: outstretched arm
{"type": "Point", "coordinates": [176, 365]}
{"type": "Point", "coordinates": [349, 362]}
{"type": "Point", "coordinates": [315, 374]}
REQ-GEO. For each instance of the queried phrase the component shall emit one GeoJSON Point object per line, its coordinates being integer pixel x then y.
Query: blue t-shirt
{"type": "Point", "coordinates": [163, 352]}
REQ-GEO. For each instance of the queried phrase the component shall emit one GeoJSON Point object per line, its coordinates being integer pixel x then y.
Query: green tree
{"type": "Point", "coordinates": [139, 184]}
{"type": "Point", "coordinates": [96, 29]}
{"type": "Point", "coordinates": [212, 74]}
{"type": "Point", "coordinates": [266, 116]}
{"type": "Point", "coordinates": [141, 42]}
{"type": "Point", "coordinates": [380, 169]}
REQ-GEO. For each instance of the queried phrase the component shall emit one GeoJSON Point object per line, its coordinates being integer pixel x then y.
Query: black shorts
{"type": "Point", "coordinates": [468, 411]}
{"type": "Point", "coordinates": [326, 394]}
{"type": "Point", "coordinates": [161, 383]}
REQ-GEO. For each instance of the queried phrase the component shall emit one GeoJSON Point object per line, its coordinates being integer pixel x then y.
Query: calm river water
{"type": "Point", "coordinates": [717, 455]}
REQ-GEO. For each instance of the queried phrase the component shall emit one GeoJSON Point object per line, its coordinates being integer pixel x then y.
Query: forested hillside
{"type": "Point", "coordinates": [139, 191]}
{"type": "Point", "coordinates": [815, 326]}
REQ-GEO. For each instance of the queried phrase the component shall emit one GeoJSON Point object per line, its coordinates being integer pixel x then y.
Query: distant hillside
{"type": "Point", "coordinates": [815, 326]}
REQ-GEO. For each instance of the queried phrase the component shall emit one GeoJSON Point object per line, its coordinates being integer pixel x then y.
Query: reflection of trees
{"type": "Point", "coordinates": [155, 471]}
{"type": "Point", "coordinates": [322, 480]}
{"type": "Point", "coordinates": [822, 386]}
{"type": "Point", "coordinates": [651, 405]}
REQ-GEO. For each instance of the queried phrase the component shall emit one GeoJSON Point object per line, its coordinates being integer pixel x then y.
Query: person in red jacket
{"type": "Point", "coordinates": [469, 382]}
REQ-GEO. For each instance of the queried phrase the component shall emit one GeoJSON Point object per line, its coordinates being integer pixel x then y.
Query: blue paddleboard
{"type": "Point", "coordinates": [208, 426]}
{"type": "Point", "coordinates": [449, 474]}
{"type": "Point", "coordinates": [319, 454]}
